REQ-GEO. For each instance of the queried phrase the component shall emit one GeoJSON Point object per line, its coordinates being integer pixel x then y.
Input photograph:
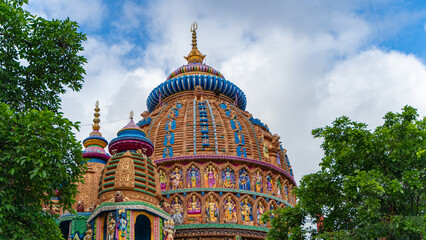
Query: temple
{"type": "Point", "coordinates": [196, 166]}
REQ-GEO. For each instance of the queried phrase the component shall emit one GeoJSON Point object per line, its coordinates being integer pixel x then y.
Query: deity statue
{"type": "Point", "coordinates": [279, 188]}
{"type": "Point", "coordinates": [193, 177]}
{"type": "Point", "coordinates": [163, 180]}
{"type": "Point", "coordinates": [212, 212]}
{"type": "Point", "coordinates": [258, 182]}
{"type": "Point", "coordinates": [80, 206]}
{"type": "Point", "coordinates": [230, 210]}
{"type": "Point", "coordinates": [210, 177]}
{"type": "Point", "coordinates": [111, 227]}
{"type": "Point", "coordinates": [176, 179]}
{"type": "Point", "coordinates": [194, 205]}
{"type": "Point", "coordinates": [265, 147]}
{"type": "Point", "coordinates": [177, 211]}
{"type": "Point", "coordinates": [121, 225]}
{"type": "Point", "coordinates": [168, 230]}
{"type": "Point", "coordinates": [260, 212]}
{"type": "Point", "coordinates": [269, 184]}
{"type": "Point", "coordinates": [228, 178]}
{"type": "Point", "coordinates": [246, 213]}
{"type": "Point", "coordinates": [244, 180]}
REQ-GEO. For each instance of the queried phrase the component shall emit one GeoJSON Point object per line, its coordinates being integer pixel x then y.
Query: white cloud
{"type": "Point", "coordinates": [88, 13]}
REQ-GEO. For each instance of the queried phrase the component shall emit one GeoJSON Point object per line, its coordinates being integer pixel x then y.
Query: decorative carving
{"type": "Point", "coordinates": [210, 177]}
{"type": "Point", "coordinates": [111, 227]}
{"type": "Point", "coordinates": [230, 210]}
{"type": "Point", "coordinates": [212, 210]}
{"type": "Point", "coordinates": [125, 173]}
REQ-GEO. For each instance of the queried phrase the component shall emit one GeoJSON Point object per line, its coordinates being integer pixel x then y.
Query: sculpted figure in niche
{"type": "Point", "coordinates": [193, 177]}
{"type": "Point", "coordinates": [246, 211]}
{"type": "Point", "coordinates": [228, 178]}
{"type": "Point", "coordinates": [212, 211]}
{"type": "Point", "coordinates": [177, 211]}
{"type": "Point", "coordinates": [260, 212]}
{"type": "Point", "coordinates": [230, 210]}
{"type": "Point", "coordinates": [269, 184]}
{"type": "Point", "coordinates": [258, 181]}
{"type": "Point", "coordinates": [279, 187]}
{"type": "Point", "coordinates": [163, 179]}
{"type": "Point", "coordinates": [265, 147]}
{"type": "Point", "coordinates": [176, 179]}
{"type": "Point", "coordinates": [194, 210]}
{"type": "Point", "coordinates": [244, 180]}
{"type": "Point", "coordinates": [210, 177]}
{"type": "Point", "coordinates": [111, 227]}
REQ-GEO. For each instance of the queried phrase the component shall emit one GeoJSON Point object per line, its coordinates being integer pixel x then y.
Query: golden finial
{"type": "Point", "coordinates": [131, 114]}
{"type": "Point", "coordinates": [96, 120]}
{"type": "Point", "coordinates": [194, 56]}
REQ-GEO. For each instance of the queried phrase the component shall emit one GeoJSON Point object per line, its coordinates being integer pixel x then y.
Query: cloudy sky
{"type": "Point", "coordinates": [300, 63]}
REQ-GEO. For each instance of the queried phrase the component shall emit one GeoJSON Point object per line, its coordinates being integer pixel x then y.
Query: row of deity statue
{"type": "Point", "coordinates": [232, 210]}
{"type": "Point", "coordinates": [169, 137]}
{"type": "Point", "coordinates": [210, 178]}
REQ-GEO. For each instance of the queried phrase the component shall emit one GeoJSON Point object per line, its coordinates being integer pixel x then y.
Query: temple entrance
{"type": "Point", "coordinates": [65, 228]}
{"type": "Point", "coordinates": [142, 228]}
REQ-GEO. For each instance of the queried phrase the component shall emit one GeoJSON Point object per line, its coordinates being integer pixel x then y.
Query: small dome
{"type": "Point", "coordinates": [131, 137]}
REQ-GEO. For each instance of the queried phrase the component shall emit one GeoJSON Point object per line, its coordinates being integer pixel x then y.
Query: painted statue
{"type": "Point", "coordinates": [210, 177]}
{"type": "Point", "coordinates": [285, 193]}
{"type": "Point", "coordinates": [269, 184]}
{"type": "Point", "coordinates": [258, 181]}
{"type": "Point", "coordinates": [170, 124]}
{"type": "Point", "coordinates": [265, 147]}
{"type": "Point", "coordinates": [177, 211]}
{"type": "Point", "coordinates": [228, 178]}
{"type": "Point", "coordinates": [279, 187]}
{"type": "Point", "coordinates": [246, 211]}
{"type": "Point", "coordinates": [168, 230]}
{"type": "Point", "coordinates": [111, 227]}
{"type": "Point", "coordinates": [212, 211]}
{"type": "Point", "coordinates": [169, 139]}
{"type": "Point", "coordinates": [260, 212]}
{"type": "Point", "coordinates": [194, 210]}
{"type": "Point", "coordinates": [168, 151]}
{"type": "Point", "coordinates": [244, 180]}
{"type": "Point", "coordinates": [163, 179]}
{"type": "Point", "coordinates": [121, 233]}
{"type": "Point", "coordinates": [176, 179]}
{"type": "Point", "coordinates": [193, 177]}
{"type": "Point", "coordinates": [230, 210]}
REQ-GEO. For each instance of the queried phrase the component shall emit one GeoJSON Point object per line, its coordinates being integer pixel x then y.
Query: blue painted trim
{"type": "Point", "coordinates": [96, 160]}
{"type": "Point", "coordinates": [188, 82]}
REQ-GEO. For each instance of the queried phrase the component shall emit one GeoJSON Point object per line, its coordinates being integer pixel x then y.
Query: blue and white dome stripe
{"type": "Point", "coordinates": [188, 82]}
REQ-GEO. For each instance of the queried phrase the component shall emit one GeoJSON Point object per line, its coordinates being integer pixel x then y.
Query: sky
{"type": "Point", "coordinates": [300, 63]}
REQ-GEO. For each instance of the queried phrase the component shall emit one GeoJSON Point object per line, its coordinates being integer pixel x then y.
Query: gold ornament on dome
{"type": "Point", "coordinates": [195, 56]}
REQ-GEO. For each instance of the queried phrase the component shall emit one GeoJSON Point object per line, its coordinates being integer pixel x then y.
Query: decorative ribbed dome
{"type": "Point", "coordinates": [131, 137]}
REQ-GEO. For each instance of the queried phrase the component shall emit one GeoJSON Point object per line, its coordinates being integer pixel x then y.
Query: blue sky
{"type": "Point", "coordinates": [301, 64]}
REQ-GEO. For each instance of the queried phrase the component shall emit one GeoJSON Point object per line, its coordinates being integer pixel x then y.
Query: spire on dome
{"type": "Point", "coordinates": [194, 56]}
{"type": "Point", "coordinates": [96, 120]}
{"type": "Point", "coordinates": [95, 143]}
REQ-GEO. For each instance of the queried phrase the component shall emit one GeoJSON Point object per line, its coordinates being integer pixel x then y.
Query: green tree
{"type": "Point", "coordinates": [371, 184]}
{"type": "Point", "coordinates": [40, 157]}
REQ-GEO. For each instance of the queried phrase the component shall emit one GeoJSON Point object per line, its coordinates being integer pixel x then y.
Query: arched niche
{"type": "Point", "coordinates": [212, 213]}
{"type": "Point", "coordinates": [261, 208]}
{"type": "Point", "coordinates": [211, 177]}
{"type": "Point", "coordinates": [162, 179]}
{"type": "Point", "coordinates": [193, 177]}
{"type": "Point", "coordinates": [177, 209]}
{"type": "Point", "coordinates": [228, 177]}
{"type": "Point", "coordinates": [244, 179]}
{"type": "Point", "coordinates": [176, 178]}
{"type": "Point", "coordinates": [230, 208]}
{"type": "Point", "coordinates": [258, 180]}
{"type": "Point", "coordinates": [247, 206]}
{"type": "Point", "coordinates": [194, 208]}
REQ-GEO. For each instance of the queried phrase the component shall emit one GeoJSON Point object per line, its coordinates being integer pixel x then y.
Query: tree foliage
{"type": "Point", "coordinates": [371, 184]}
{"type": "Point", "coordinates": [39, 154]}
